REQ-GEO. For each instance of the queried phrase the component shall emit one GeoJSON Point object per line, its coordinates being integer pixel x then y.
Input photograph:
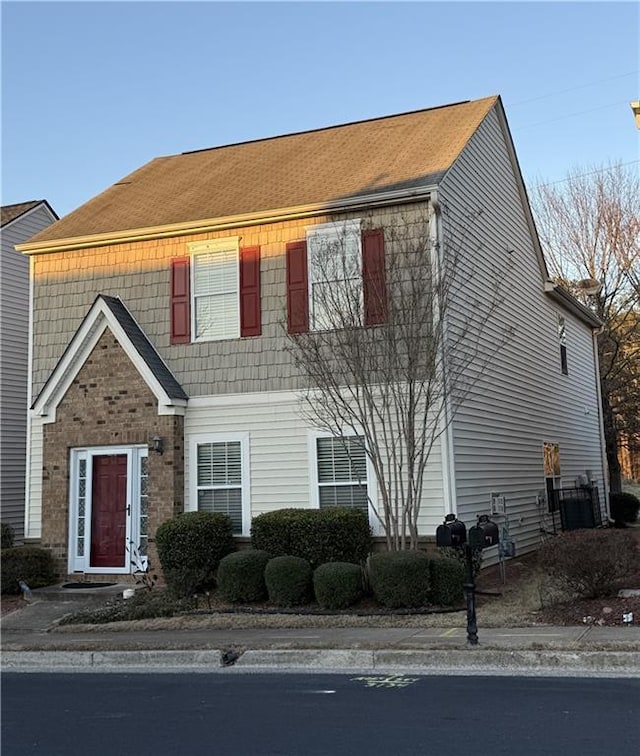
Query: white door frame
{"type": "Point", "coordinates": [80, 526]}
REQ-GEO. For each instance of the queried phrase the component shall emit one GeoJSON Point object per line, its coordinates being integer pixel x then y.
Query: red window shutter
{"type": "Point", "coordinates": [180, 301]}
{"type": "Point", "coordinates": [373, 277]}
{"type": "Point", "coordinates": [297, 287]}
{"type": "Point", "coordinates": [250, 322]}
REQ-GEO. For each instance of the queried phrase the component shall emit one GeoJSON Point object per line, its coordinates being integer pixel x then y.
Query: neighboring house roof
{"type": "Point", "coordinates": [11, 212]}
{"type": "Point", "coordinates": [365, 158]}
{"type": "Point", "coordinates": [111, 312]}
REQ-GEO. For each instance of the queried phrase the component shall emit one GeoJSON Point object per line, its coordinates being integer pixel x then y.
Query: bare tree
{"type": "Point", "coordinates": [385, 364]}
{"type": "Point", "coordinates": [589, 226]}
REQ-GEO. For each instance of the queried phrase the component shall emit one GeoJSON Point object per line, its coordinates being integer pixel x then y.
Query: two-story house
{"type": "Point", "coordinates": [161, 378]}
{"type": "Point", "coordinates": [18, 223]}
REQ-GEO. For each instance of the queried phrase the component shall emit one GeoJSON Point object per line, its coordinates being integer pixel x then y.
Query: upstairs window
{"type": "Point", "coordinates": [562, 340]}
{"type": "Point", "coordinates": [215, 292]}
{"type": "Point", "coordinates": [335, 275]}
{"type": "Point", "coordinates": [216, 287]}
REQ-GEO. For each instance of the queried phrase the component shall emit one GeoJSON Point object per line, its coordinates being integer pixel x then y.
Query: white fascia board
{"type": "Point", "coordinates": [84, 341]}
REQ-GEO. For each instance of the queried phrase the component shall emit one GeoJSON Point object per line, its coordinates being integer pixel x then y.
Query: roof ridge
{"type": "Point", "coordinates": [328, 128]}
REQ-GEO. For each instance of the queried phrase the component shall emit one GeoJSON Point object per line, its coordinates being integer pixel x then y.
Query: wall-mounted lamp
{"type": "Point", "coordinates": [157, 444]}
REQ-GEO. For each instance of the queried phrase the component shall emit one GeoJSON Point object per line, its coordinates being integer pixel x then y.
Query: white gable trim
{"type": "Point", "coordinates": [99, 318]}
{"type": "Point", "coordinates": [42, 205]}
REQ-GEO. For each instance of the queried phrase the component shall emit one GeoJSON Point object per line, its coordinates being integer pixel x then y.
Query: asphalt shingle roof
{"type": "Point", "coordinates": [11, 212]}
{"type": "Point", "coordinates": [313, 167]}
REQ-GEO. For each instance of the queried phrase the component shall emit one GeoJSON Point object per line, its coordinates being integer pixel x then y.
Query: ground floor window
{"type": "Point", "coordinates": [342, 472]}
{"type": "Point", "coordinates": [220, 470]}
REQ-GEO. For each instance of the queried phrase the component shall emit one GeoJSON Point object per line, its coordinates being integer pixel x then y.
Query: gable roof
{"type": "Point", "coordinates": [398, 152]}
{"type": "Point", "coordinates": [9, 213]}
{"type": "Point", "coordinates": [110, 312]}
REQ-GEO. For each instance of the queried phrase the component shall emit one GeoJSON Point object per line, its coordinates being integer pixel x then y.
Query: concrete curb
{"type": "Point", "coordinates": [470, 661]}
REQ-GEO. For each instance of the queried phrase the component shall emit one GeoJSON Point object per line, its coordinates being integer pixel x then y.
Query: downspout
{"type": "Point", "coordinates": [603, 454]}
{"type": "Point", "coordinates": [27, 469]}
{"type": "Point", "coordinates": [436, 244]}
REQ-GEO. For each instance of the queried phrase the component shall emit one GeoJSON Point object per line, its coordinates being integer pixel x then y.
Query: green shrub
{"type": "Point", "coordinates": [624, 507]}
{"type": "Point", "coordinates": [400, 579]}
{"type": "Point", "coordinates": [190, 548]}
{"type": "Point", "coordinates": [33, 565]}
{"type": "Point", "coordinates": [334, 534]}
{"type": "Point", "coordinates": [6, 535]}
{"type": "Point", "coordinates": [143, 605]}
{"type": "Point", "coordinates": [451, 552]}
{"type": "Point", "coordinates": [241, 576]}
{"type": "Point", "coordinates": [447, 581]}
{"type": "Point", "coordinates": [589, 563]}
{"type": "Point", "coordinates": [338, 585]}
{"type": "Point", "coordinates": [289, 581]}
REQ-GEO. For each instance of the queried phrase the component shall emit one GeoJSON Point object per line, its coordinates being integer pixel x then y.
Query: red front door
{"type": "Point", "coordinates": [109, 510]}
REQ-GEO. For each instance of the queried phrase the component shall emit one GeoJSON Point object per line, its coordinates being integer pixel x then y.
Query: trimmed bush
{"type": "Point", "coordinates": [289, 581]}
{"type": "Point", "coordinates": [400, 579]}
{"type": "Point", "coordinates": [241, 576]}
{"type": "Point", "coordinates": [6, 535]}
{"type": "Point", "coordinates": [589, 563]}
{"type": "Point", "coordinates": [447, 581]}
{"type": "Point", "coordinates": [451, 552]}
{"type": "Point", "coordinates": [334, 534]}
{"type": "Point", "coordinates": [190, 548]}
{"type": "Point", "coordinates": [33, 565]}
{"type": "Point", "coordinates": [624, 507]}
{"type": "Point", "coordinates": [337, 585]}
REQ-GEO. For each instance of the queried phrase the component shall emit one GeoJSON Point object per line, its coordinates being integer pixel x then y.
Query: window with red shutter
{"type": "Point", "coordinates": [250, 321]}
{"type": "Point", "coordinates": [297, 287]}
{"type": "Point", "coordinates": [373, 277]}
{"type": "Point", "coordinates": [180, 301]}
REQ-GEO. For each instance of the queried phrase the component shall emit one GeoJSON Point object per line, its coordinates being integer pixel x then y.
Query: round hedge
{"type": "Point", "coordinates": [337, 585]}
{"type": "Point", "coordinates": [447, 581]}
{"type": "Point", "coordinates": [289, 581]}
{"type": "Point", "coordinates": [624, 507]}
{"type": "Point", "coordinates": [33, 565]}
{"type": "Point", "coordinates": [400, 579]}
{"type": "Point", "coordinates": [190, 548]}
{"type": "Point", "coordinates": [241, 576]}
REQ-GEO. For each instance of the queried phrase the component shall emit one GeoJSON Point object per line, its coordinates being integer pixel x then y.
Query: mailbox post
{"type": "Point", "coordinates": [453, 533]}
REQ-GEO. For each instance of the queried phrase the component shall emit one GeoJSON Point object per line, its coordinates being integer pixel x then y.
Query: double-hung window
{"type": "Point", "coordinates": [216, 287]}
{"type": "Point", "coordinates": [221, 479]}
{"type": "Point", "coordinates": [335, 275]}
{"type": "Point", "coordinates": [342, 472]}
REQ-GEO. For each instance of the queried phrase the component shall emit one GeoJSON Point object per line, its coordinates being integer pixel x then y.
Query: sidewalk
{"type": "Point", "coordinates": [31, 640]}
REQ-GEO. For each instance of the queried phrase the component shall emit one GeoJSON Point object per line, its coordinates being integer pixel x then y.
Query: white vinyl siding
{"type": "Point", "coordinates": [342, 472]}
{"type": "Point", "coordinates": [523, 399]}
{"type": "Point", "coordinates": [216, 290]}
{"type": "Point", "coordinates": [334, 253]}
{"type": "Point", "coordinates": [282, 455]}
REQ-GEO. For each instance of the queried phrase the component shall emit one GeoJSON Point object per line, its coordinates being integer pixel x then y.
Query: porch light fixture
{"type": "Point", "coordinates": [157, 444]}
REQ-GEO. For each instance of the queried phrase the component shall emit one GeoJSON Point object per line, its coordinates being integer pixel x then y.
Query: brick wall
{"type": "Point", "coordinates": [109, 404]}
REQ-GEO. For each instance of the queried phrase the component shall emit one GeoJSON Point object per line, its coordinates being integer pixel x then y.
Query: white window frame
{"type": "Point", "coordinates": [329, 232]}
{"type": "Point", "coordinates": [562, 345]}
{"type": "Point", "coordinates": [213, 438]}
{"type": "Point", "coordinates": [81, 562]}
{"type": "Point", "coordinates": [228, 244]}
{"type": "Point", "coordinates": [314, 491]}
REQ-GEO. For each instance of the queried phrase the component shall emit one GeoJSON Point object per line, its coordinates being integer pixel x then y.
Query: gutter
{"type": "Point", "coordinates": [381, 199]}
{"type": "Point", "coordinates": [569, 302]}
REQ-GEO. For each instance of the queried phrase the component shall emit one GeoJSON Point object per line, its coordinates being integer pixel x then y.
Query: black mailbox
{"type": "Point", "coordinates": [484, 534]}
{"type": "Point", "coordinates": [452, 532]}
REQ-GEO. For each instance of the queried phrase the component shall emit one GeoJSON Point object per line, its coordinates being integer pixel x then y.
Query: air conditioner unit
{"type": "Point", "coordinates": [498, 504]}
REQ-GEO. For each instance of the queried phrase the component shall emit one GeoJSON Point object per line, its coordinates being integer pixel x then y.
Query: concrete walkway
{"type": "Point", "coordinates": [30, 641]}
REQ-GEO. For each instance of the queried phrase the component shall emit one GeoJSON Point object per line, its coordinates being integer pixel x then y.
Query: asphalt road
{"type": "Point", "coordinates": [310, 714]}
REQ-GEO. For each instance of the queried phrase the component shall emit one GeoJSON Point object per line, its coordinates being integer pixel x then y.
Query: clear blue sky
{"type": "Point", "coordinates": [91, 90]}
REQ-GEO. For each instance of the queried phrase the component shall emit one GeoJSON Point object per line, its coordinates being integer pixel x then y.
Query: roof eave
{"type": "Point", "coordinates": [342, 204]}
{"type": "Point", "coordinates": [569, 302]}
